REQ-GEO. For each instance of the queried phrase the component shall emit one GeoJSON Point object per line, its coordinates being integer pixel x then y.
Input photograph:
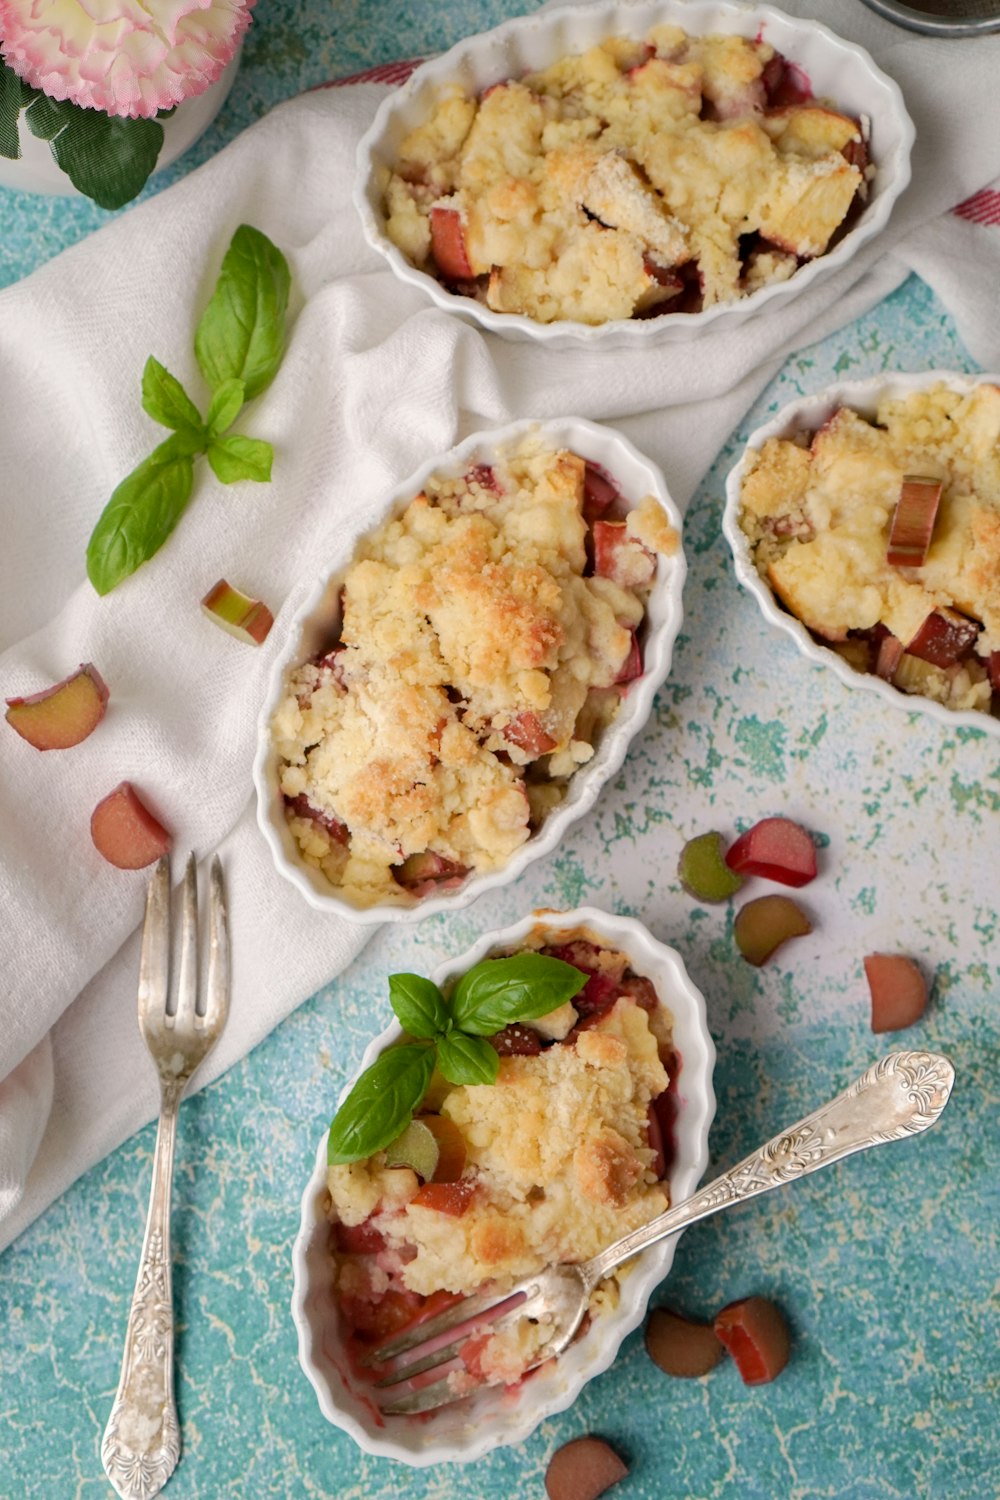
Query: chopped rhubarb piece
{"type": "Point", "coordinates": [452, 1198]}
{"type": "Point", "coordinates": [898, 991]}
{"type": "Point", "coordinates": [247, 619]}
{"type": "Point", "coordinates": [785, 82]}
{"type": "Point", "coordinates": [485, 478]}
{"type": "Point", "coordinates": [526, 732]}
{"type": "Point", "coordinates": [621, 557]}
{"type": "Point", "coordinates": [451, 1147]}
{"type": "Point", "coordinates": [61, 716]}
{"type": "Point", "coordinates": [125, 832]}
{"type": "Point", "coordinates": [448, 244]}
{"type": "Point", "coordinates": [654, 1140]}
{"type": "Point", "coordinates": [762, 926]}
{"type": "Point", "coordinates": [631, 667]}
{"type": "Point", "coordinates": [583, 1469]}
{"type": "Point", "coordinates": [664, 1108]}
{"type": "Point", "coordinates": [598, 994]}
{"type": "Point", "coordinates": [703, 872]}
{"type": "Point", "coordinates": [516, 1040]}
{"type": "Point", "coordinates": [885, 652]}
{"type": "Point", "coordinates": [358, 1239]}
{"type": "Point", "coordinates": [582, 954]}
{"type": "Point", "coordinates": [373, 1322]}
{"type": "Point", "coordinates": [943, 638]}
{"type": "Point", "coordinates": [756, 1335]}
{"type": "Point", "coordinates": [913, 522]}
{"type": "Point", "coordinates": [416, 1148]}
{"type": "Point", "coordinates": [420, 874]}
{"type": "Point", "coordinates": [301, 807]}
{"type": "Point", "coordinates": [680, 1346]}
{"type": "Point", "coordinates": [599, 492]}
{"type": "Point", "coordinates": [777, 849]}
{"type": "Point", "coordinates": [640, 990]}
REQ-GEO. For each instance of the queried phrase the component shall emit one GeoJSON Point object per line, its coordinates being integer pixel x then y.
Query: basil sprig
{"type": "Point", "coordinates": [238, 343]}
{"type": "Point", "coordinates": [448, 1034]}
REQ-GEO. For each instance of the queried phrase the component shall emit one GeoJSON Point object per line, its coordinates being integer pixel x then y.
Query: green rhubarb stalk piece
{"type": "Point", "coordinates": [703, 872]}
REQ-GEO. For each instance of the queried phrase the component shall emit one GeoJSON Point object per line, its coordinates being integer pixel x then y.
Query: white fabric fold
{"type": "Point", "coordinates": [374, 380]}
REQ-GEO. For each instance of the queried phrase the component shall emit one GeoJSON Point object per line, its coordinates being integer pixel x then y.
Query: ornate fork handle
{"type": "Point", "coordinates": [900, 1095]}
{"type": "Point", "coordinates": [142, 1441]}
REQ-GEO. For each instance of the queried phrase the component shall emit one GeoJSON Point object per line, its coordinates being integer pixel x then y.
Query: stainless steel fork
{"type": "Point", "coordinates": [142, 1440]}
{"type": "Point", "coordinates": [898, 1096]}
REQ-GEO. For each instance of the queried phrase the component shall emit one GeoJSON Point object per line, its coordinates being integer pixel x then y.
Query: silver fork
{"type": "Point", "coordinates": [142, 1441]}
{"type": "Point", "coordinates": [900, 1095]}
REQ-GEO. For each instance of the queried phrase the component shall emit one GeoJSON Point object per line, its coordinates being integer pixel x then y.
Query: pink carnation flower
{"type": "Point", "coordinates": [121, 56]}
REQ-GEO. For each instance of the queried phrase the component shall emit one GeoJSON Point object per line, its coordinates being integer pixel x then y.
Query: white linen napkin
{"type": "Point", "coordinates": [374, 380]}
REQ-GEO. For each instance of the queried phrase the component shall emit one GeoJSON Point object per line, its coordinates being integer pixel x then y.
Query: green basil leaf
{"type": "Point", "coordinates": [141, 513]}
{"type": "Point", "coordinates": [107, 157]}
{"type": "Point", "coordinates": [225, 406]}
{"type": "Point", "coordinates": [46, 117]}
{"type": "Point", "coordinates": [467, 1059]}
{"type": "Point", "coordinates": [381, 1104]}
{"type": "Point", "coordinates": [419, 1005]}
{"type": "Point", "coordinates": [166, 401]}
{"type": "Point", "coordinates": [14, 95]}
{"type": "Point", "coordinates": [241, 335]}
{"type": "Point", "coordinates": [236, 457]}
{"type": "Point", "coordinates": [499, 991]}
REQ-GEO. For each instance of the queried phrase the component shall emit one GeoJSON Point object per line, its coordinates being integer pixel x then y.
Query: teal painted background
{"type": "Point", "coordinates": [886, 1266]}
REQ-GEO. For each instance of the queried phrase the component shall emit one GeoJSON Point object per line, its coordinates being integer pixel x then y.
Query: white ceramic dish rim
{"type": "Point", "coordinates": [473, 56]}
{"type": "Point", "coordinates": [637, 476]}
{"type": "Point", "coordinates": [514, 1421]}
{"type": "Point", "coordinates": [807, 414]}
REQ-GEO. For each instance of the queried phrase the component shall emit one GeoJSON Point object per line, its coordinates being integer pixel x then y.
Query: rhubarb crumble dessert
{"type": "Point", "coordinates": [486, 637]}
{"type": "Point", "coordinates": [882, 535]}
{"type": "Point", "coordinates": [563, 1154]}
{"type": "Point", "coordinates": [634, 179]}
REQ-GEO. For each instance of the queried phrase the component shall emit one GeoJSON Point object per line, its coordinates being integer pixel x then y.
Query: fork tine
{"type": "Point", "coordinates": [452, 1318]}
{"type": "Point", "coordinates": [441, 1354]}
{"type": "Point", "coordinates": [187, 977]}
{"type": "Point", "coordinates": [217, 994]}
{"type": "Point", "coordinates": [154, 958]}
{"type": "Point", "coordinates": [440, 1393]}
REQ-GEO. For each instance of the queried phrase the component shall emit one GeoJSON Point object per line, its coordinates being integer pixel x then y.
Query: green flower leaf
{"type": "Point", "coordinates": [498, 991]}
{"type": "Point", "coordinates": [235, 457]}
{"type": "Point", "coordinates": [241, 335]}
{"type": "Point", "coordinates": [14, 95]}
{"type": "Point", "coordinates": [141, 513]}
{"type": "Point", "coordinates": [225, 406]}
{"type": "Point", "coordinates": [381, 1104]}
{"type": "Point", "coordinates": [419, 1005]}
{"type": "Point", "coordinates": [467, 1059]}
{"type": "Point", "coordinates": [107, 157]}
{"type": "Point", "coordinates": [166, 401]}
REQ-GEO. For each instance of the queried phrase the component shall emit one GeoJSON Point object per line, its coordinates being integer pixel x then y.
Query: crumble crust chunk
{"type": "Point", "coordinates": [480, 655]}
{"type": "Point", "coordinates": [817, 510]}
{"type": "Point", "coordinates": [636, 178]}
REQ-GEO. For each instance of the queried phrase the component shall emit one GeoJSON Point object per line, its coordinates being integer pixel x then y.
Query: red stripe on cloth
{"type": "Point", "coordinates": [982, 208]}
{"type": "Point", "coordinates": [392, 72]}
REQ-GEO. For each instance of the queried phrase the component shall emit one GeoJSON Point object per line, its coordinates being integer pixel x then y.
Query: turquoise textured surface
{"type": "Point", "coordinates": [885, 1265]}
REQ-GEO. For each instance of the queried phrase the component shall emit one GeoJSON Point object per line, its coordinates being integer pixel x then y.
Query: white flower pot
{"type": "Point", "coordinates": [35, 170]}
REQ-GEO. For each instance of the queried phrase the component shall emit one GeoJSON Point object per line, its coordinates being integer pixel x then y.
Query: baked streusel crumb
{"type": "Point", "coordinates": [487, 635]}
{"type": "Point", "coordinates": [818, 510]}
{"type": "Point", "coordinates": [636, 178]}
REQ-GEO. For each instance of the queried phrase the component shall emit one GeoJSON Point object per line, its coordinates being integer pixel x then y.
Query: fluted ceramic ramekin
{"type": "Point", "coordinates": [495, 1417]}
{"type": "Point", "coordinates": [636, 477]}
{"type": "Point", "coordinates": [807, 415]}
{"type": "Point", "coordinates": [835, 69]}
